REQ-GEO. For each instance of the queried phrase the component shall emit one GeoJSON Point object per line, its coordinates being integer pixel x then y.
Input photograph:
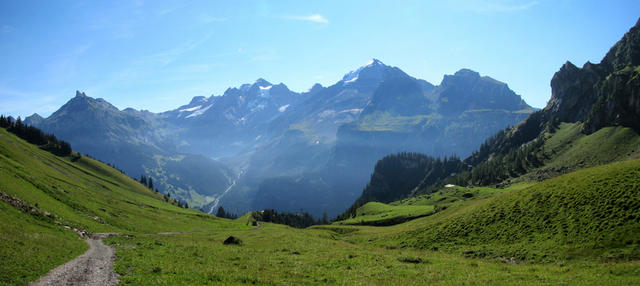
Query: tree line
{"type": "Point", "coordinates": [35, 136]}
{"type": "Point", "coordinates": [147, 181]}
{"type": "Point", "coordinates": [297, 220]}
{"type": "Point", "coordinates": [516, 162]}
{"type": "Point", "coordinates": [405, 174]}
{"type": "Point", "coordinates": [223, 214]}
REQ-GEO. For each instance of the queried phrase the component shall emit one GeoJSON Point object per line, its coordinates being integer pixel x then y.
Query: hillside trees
{"type": "Point", "coordinates": [296, 220]}
{"type": "Point", "coordinates": [35, 136]}
{"type": "Point", "coordinates": [223, 214]}
{"type": "Point", "coordinates": [401, 175]}
{"type": "Point", "coordinates": [516, 162]}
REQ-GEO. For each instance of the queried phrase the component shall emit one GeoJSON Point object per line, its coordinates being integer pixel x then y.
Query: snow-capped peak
{"type": "Point", "coordinates": [262, 82]}
{"type": "Point", "coordinates": [352, 76]}
{"type": "Point", "coordinates": [374, 62]}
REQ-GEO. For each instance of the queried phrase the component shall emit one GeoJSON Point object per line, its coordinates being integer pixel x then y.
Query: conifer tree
{"type": "Point", "coordinates": [221, 212]}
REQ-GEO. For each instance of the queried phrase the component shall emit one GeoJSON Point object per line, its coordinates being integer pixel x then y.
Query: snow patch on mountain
{"type": "Point", "coordinates": [354, 111]}
{"type": "Point", "coordinates": [199, 112]}
{"type": "Point", "coordinates": [190, 109]}
{"type": "Point", "coordinates": [264, 91]}
{"type": "Point", "coordinates": [351, 80]}
{"type": "Point", "coordinates": [283, 108]}
{"type": "Point", "coordinates": [258, 107]}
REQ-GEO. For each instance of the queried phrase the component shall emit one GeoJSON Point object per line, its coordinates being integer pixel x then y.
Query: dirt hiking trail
{"type": "Point", "coordinates": [94, 267]}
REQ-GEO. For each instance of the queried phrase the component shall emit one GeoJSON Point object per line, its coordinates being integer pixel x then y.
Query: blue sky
{"type": "Point", "coordinates": [157, 55]}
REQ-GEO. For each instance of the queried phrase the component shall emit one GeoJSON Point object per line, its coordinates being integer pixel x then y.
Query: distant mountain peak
{"type": "Point", "coordinates": [198, 99]}
{"type": "Point", "coordinates": [467, 73]}
{"type": "Point", "coordinates": [34, 119]}
{"type": "Point", "coordinates": [80, 94]}
{"type": "Point", "coordinates": [314, 88]}
{"type": "Point", "coordinates": [374, 62]}
{"type": "Point", "coordinates": [373, 67]}
{"type": "Point", "coordinates": [261, 82]}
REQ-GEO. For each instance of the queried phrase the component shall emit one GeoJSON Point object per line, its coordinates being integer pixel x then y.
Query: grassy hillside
{"type": "Point", "coordinates": [379, 214]}
{"type": "Point", "coordinates": [592, 213]}
{"type": "Point", "coordinates": [569, 149]}
{"type": "Point", "coordinates": [77, 193]}
{"type": "Point", "coordinates": [374, 213]}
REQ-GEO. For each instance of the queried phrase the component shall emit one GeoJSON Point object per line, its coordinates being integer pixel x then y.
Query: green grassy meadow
{"type": "Point", "coordinates": [277, 255]}
{"type": "Point", "coordinates": [466, 241]}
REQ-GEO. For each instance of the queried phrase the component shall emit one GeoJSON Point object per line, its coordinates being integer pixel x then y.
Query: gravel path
{"type": "Point", "coordinates": [94, 267]}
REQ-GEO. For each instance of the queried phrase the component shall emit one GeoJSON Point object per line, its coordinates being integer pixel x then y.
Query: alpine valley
{"type": "Point", "coordinates": [379, 179]}
{"type": "Point", "coordinates": [263, 146]}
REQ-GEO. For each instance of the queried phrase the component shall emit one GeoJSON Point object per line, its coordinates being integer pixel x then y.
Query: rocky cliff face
{"type": "Point", "coordinates": [619, 90]}
{"type": "Point", "coordinates": [605, 94]}
{"type": "Point", "coordinates": [599, 95]}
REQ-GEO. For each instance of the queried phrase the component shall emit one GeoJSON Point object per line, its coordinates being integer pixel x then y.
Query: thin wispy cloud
{"type": "Point", "coordinates": [206, 19]}
{"type": "Point", "coordinates": [508, 7]}
{"type": "Point", "coordinates": [65, 66]}
{"type": "Point", "coordinates": [495, 6]}
{"type": "Point", "coordinates": [166, 11]}
{"type": "Point", "coordinates": [315, 18]}
{"type": "Point", "coordinates": [168, 56]}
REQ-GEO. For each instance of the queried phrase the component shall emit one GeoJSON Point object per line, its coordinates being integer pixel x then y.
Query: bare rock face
{"type": "Point", "coordinates": [600, 95]}
{"type": "Point", "coordinates": [573, 92]}
{"type": "Point", "coordinates": [618, 91]}
{"type": "Point", "coordinates": [619, 104]}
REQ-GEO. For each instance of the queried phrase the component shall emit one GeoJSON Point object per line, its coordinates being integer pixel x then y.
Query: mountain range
{"type": "Point", "coordinates": [592, 119]}
{"type": "Point", "coordinates": [262, 145]}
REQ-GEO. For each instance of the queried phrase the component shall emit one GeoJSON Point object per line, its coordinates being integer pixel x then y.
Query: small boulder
{"type": "Point", "coordinates": [414, 260]}
{"type": "Point", "coordinates": [232, 240]}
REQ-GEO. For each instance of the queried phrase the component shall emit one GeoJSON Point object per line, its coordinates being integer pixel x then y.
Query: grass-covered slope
{"type": "Point", "coordinates": [380, 214]}
{"type": "Point", "coordinates": [30, 246]}
{"type": "Point", "coordinates": [46, 196]}
{"type": "Point", "coordinates": [278, 255]}
{"type": "Point", "coordinates": [569, 149]}
{"type": "Point", "coordinates": [591, 213]}
{"type": "Point", "coordinates": [374, 213]}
